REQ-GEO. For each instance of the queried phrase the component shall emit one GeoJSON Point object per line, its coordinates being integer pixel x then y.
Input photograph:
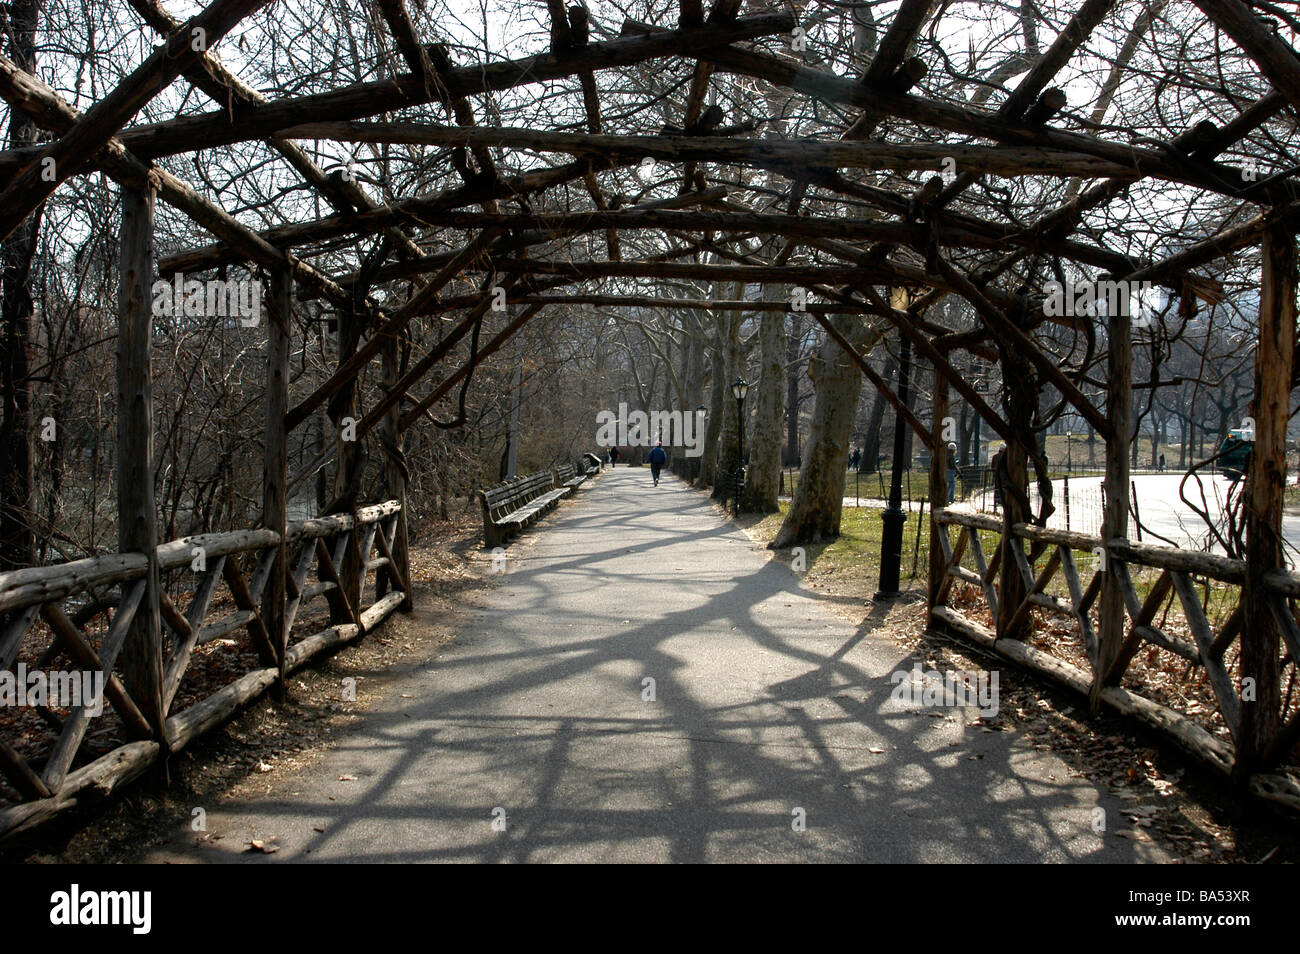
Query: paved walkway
{"type": "Point", "coordinates": [767, 708]}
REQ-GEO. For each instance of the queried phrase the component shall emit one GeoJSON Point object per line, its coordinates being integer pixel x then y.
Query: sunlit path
{"type": "Point", "coordinates": [767, 710]}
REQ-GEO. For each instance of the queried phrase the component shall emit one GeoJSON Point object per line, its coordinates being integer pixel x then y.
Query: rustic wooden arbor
{"type": "Point", "coordinates": [492, 223]}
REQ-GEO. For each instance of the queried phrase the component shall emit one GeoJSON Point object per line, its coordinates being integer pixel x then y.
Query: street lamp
{"type": "Point", "coordinates": [701, 417]}
{"type": "Point", "coordinates": [1069, 452]}
{"type": "Point", "coordinates": [738, 391]}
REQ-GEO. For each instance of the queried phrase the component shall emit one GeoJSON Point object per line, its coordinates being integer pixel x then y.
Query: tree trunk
{"type": "Point", "coordinates": [792, 391]}
{"type": "Point", "coordinates": [17, 539]}
{"type": "Point", "coordinates": [733, 366]}
{"type": "Point", "coordinates": [763, 480]}
{"type": "Point", "coordinates": [871, 443]}
{"type": "Point", "coordinates": [1260, 634]}
{"type": "Point", "coordinates": [819, 499]}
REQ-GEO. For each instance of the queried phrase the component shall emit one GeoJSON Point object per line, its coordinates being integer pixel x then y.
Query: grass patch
{"type": "Point", "coordinates": [850, 564]}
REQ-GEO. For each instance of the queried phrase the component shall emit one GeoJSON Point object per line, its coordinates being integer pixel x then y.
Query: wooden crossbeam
{"type": "Point", "coordinates": [65, 750]}
{"type": "Point", "coordinates": [516, 241]}
{"type": "Point", "coordinates": [1276, 58]}
{"type": "Point", "coordinates": [1043, 362]}
{"type": "Point", "coordinates": [986, 570]}
{"type": "Point", "coordinates": [426, 297]}
{"type": "Point", "coordinates": [24, 91]}
{"type": "Point", "coordinates": [20, 774]}
{"type": "Point", "coordinates": [212, 77]}
{"type": "Point", "coordinates": [1220, 681]}
{"type": "Point", "coordinates": [952, 554]}
{"type": "Point", "coordinates": [246, 600]}
{"type": "Point", "coordinates": [84, 655]}
{"type": "Point", "coordinates": [14, 631]}
{"type": "Point", "coordinates": [971, 121]}
{"type": "Point", "coordinates": [670, 304]}
{"type": "Point", "coordinates": [759, 274]}
{"type": "Point", "coordinates": [91, 132]}
{"type": "Point", "coordinates": [908, 20]}
{"type": "Point", "coordinates": [778, 154]}
{"type": "Point", "coordinates": [221, 128]}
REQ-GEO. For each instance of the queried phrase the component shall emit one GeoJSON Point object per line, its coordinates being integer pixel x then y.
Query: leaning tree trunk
{"type": "Point", "coordinates": [819, 499]}
{"type": "Point", "coordinates": [763, 480]}
{"type": "Point", "coordinates": [17, 537]}
{"type": "Point", "coordinates": [692, 380]}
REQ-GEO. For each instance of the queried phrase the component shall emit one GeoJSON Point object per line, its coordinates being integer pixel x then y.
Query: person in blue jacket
{"type": "Point", "coordinates": [658, 457]}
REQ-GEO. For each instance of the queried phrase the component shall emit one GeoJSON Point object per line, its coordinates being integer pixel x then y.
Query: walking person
{"type": "Point", "coordinates": [658, 457]}
{"type": "Point", "coordinates": [952, 471]}
{"type": "Point", "coordinates": [998, 464]}
{"type": "Point", "coordinates": [613, 457]}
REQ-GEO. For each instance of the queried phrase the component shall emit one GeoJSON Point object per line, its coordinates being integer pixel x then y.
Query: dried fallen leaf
{"type": "Point", "coordinates": [347, 778]}
{"type": "Point", "coordinates": [265, 847]}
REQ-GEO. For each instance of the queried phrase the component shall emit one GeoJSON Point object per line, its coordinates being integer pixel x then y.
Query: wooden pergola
{"type": "Point", "coordinates": [925, 237]}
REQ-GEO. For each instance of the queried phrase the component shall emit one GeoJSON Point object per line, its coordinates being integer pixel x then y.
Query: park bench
{"type": "Point", "coordinates": [515, 504]}
{"type": "Point", "coordinates": [570, 478]}
{"type": "Point", "coordinates": [591, 464]}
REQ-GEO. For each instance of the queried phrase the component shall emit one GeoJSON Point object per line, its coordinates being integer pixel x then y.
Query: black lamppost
{"type": "Point", "coordinates": [1069, 452]}
{"type": "Point", "coordinates": [891, 543]}
{"type": "Point", "coordinates": [738, 391]}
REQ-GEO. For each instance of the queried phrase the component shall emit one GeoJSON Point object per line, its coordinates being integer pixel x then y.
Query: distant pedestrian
{"type": "Point", "coordinates": [855, 459]}
{"type": "Point", "coordinates": [613, 457]}
{"type": "Point", "coordinates": [998, 465]}
{"type": "Point", "coordinates": [658, 457]}
{"type": "Point", "coordinates": [1162, 463]}
{"type": "Point", "coordinates": [952, 472]}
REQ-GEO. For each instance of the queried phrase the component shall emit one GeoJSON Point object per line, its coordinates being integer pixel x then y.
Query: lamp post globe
{"type": "Point", "coordinates": [738, 390]}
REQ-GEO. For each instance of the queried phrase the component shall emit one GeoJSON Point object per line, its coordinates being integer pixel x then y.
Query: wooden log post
{"type": "Point", "coordinates": [347, 432]}
{"type": "Point", "coordinates": [1114, 518]}
{"type": "Point", "coordinates": [1260, 686]}
{"type": "Point", "coordinates": [141, 655]}
{"type": "Point", "coordinates": [1013, 476]}
{"type": "Point", "coordinates": [395, 477]}
{"type": "Point", "coordinates": [276, 462]}
{"type": "Point", "coordinates": [938, 483]}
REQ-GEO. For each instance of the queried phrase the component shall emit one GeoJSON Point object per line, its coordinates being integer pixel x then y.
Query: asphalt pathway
{"type": "Point", "coordinates": [769, 736]}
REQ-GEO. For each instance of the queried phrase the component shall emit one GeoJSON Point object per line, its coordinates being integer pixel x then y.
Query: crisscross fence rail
{"type": "Point", "coordinates": [1185, 603]}
{"type": "Point", "coordinates": [212, 587]}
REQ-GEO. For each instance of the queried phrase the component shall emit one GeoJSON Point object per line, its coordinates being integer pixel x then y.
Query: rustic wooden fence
{"type": "Point", "coordinates": [1187, 603]}
{"type": "Point", "coordinates": [211, 586]}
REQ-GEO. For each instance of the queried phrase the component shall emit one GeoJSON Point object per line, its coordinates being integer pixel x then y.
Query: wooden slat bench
{"type": "Point", "coordinates": [515, 504]}
{"type": "Point", "coordinates": [590, 464]}
{"type": "Point", "coordinates": [570, 478]}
